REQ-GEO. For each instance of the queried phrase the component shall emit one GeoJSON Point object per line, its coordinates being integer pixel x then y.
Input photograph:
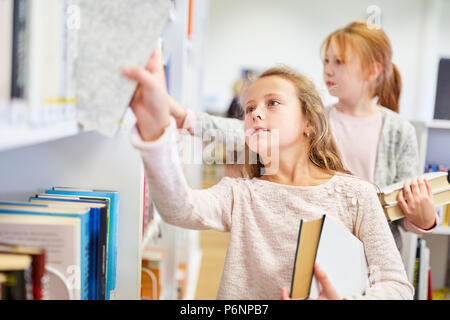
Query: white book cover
{"type": "Point", "coordinates": [6, 32]}
{"type": "Point", "coordinates": [45, 60]}
{"type": "Point", "coordinates": [423, 266]}
{"type": "Point", "coordinates": [341, 255]}
{"type": "Point", "coordinates": [60, 237]}
{"type": "Point", "coordinates": [113, 34]}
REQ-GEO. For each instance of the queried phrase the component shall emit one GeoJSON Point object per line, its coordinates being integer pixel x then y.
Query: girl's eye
{"type": "Point", "coordinates": [273, 103]}
{"type": "Point", "coordinates": [250, 109]}
{"type": "Point", "coordinates": [338, 61]}
{"type": "Point", "coordinates": [325, 61]}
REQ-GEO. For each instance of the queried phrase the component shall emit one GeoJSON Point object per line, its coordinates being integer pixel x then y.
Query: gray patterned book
{"type": "Point", "coordinates": [112, 34]}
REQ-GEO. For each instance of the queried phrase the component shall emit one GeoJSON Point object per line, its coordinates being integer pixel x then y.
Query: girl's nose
{"type": "Point", "coordinates": [328, 70]}
{"type": "Point", "coordinates": [257, 114]}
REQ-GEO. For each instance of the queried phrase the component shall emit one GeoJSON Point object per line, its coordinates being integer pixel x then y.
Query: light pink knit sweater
{"type": "Point", "coordinates": [263, 219]}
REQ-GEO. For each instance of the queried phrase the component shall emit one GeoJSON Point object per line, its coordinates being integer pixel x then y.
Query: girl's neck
{"type": "Point", "coordinates": [358, 107]}
{"type": "Point", "coordinates": [295, 168]}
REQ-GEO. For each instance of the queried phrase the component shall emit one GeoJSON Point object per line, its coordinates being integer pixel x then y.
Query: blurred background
{"type": "Point", "coordinates": [248, 36]}
{"type": "Point", "coordinates": [257, 34]}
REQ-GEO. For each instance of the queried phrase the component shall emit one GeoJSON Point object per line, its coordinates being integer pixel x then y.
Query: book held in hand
{"type": "Point", "coordinates": [437, 181]}
{"type": "Point", "coordinates": [337, 251]}
{"type": "Point", "coordinates": [113, 34]}
{"type": "Point", "coordinates": [440, 187]}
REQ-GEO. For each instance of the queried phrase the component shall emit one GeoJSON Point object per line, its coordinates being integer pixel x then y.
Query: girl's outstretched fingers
{"type": "Point", "coordinates": [142, 76]}
{"type": "Point", "coordinates": [327, 292]}
{"type": "Point", "coordinates": [285, 294]}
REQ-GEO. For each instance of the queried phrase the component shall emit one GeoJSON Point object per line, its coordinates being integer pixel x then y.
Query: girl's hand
{"type": "Point", "coordinates": [417, 203]}
{"type": "Point", "coordinates": [155, 66]}
{"type": "Point", "coordinates": [150, 102]}
{"type": "Point", "coordinates": [177, 111]}
{"type": "Point", "coordinates": [327, 293]}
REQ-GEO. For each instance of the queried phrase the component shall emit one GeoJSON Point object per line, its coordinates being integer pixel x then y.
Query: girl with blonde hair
{"type": "Point", "coordinates": [374, 142]}
{"type": "Point", "coordinates": [262, 212]}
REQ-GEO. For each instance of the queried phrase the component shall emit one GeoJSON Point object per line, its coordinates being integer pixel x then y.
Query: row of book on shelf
{"type": "Point", "coordinates": [417, 256]}
{"type": "Point", "coordinates": [153, 275]}
{"type": "Point", "coordinates": [60, 244]}
{"type": "Point", "coordinates": [51, 48]}
{"type": "Point", "coordinates": [37, 61]}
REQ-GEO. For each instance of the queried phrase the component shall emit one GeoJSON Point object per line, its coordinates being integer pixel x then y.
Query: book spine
{"type": "Point", "coordinates": [112, 259]}
{"type": "Point", "coordinates": [6, 30]}
{"type": "Point", "coordinates": [446, 216]}
{"type": "Point", "coordinates": [85, 259]}
{"type": "Point", "coordinates": [38, 265]}
{"type": "Point", "coordinates": [19, 54]}
{"type": "Point", "coordinates": [93, 237]}
{"type": "Point", "coordinates": [15, 286]}
{"type": "Point", "coordinates": [103, 233]}
{"type": "Point", "coordinates": [73, 25]}
{"type": "Point", "coordinates": [416, 278]}
{"type": "Point", "coordinates": [70, 26]}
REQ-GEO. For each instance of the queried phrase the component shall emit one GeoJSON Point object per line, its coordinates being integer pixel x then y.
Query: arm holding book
{"type": "Point", "coordinates": [416, 201]}
{"type": "Point", "coordinates": [154, 136]}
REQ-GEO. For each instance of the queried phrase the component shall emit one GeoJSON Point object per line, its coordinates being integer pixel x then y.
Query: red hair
{"type": "Point", "coordinates": [371, 45]}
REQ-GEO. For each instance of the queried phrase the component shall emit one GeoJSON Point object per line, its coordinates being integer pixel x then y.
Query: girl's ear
{"type": "Point", "coordinates": [377, 69]}
{"type": "Point", "coordinates": [309, 129]}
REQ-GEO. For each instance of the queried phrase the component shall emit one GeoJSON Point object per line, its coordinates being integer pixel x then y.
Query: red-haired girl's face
{"type": "Point", "coordinates": [344, 81]}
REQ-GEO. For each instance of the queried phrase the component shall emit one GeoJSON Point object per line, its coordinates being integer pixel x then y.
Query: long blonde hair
{"type": "Point", "coordinates": [370, 45]}
{"type": "Point", "coordinates": [322, 147]}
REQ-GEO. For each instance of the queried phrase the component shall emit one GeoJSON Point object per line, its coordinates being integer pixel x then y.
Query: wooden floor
{"type": "Point", "coordinates": [214, 247]}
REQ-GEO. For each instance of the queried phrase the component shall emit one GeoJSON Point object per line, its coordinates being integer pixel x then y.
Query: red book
{"type": "Point", "coordinates": [37, 266]}
{"type": "Point", "coordinates": [430, 286]}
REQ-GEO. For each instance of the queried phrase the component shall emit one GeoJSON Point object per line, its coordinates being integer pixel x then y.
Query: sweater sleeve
{"type": "Point", "coordinates": [175, 201]}
{"type": "Point", "coordinates": [199, 123]}
{"type": "Point", "coordinates": [407, 156]}
{"type": "Point", "coordinates": [388, 279]}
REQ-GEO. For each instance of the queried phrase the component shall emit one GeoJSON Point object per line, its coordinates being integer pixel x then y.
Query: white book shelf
{"type": "Point", "coordinates": [34, 158]}
{"type": "Point", "coordinates": [15, 136]}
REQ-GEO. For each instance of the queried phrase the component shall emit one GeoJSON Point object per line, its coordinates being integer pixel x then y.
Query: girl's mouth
{"type": "Point", "coordinates": [331, 84]}
{"type": "Point", "coordinates": [258, 131]}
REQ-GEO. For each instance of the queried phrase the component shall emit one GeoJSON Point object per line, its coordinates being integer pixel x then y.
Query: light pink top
{"type": "Point", "coordinates": [357, 138]}
{"type": "Point", "coordinates": [190, 122]}
{"type": "Point", "coordinates": [263, 220]}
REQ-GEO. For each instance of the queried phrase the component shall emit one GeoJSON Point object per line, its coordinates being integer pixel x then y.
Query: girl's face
{"type": "Point", "coordinates": [273, 116]}
{"type": "Point", "coordinates": [344, 81]}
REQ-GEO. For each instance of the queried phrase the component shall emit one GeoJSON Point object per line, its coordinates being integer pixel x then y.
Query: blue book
{"type": "Point", "coordinates": [98, 239]}
{"type": "Point", "coordinates": [63, 231]}
{"type": "Point", "coordinates": [113, 196]}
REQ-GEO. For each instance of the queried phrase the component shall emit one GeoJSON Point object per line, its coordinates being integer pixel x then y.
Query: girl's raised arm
{"type": "Point", "coordinates": [175, 201]}
{"type": "Point", "coordinates": [154, 136]}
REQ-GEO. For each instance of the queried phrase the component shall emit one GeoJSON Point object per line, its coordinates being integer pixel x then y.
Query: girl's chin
{"type": "Point", "coordinates": [333, 92]}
